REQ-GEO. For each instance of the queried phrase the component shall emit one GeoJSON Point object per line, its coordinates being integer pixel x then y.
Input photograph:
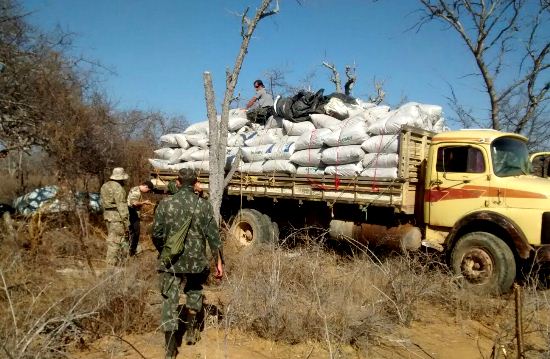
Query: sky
{"type": "Point", "coordinates": [158, 50]}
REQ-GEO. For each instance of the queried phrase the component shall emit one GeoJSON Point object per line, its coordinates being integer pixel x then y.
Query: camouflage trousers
{"type": "Point", "coordinates": [170, 284]}
{"type": "Point", "coordinates": [117, 243]}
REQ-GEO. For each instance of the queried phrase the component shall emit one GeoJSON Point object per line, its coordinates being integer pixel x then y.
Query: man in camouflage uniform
{"type": "Point", "coordinates": [115, 213]}
{"type": "Point", "coordinates": [192, 265]}
{"type": "Point", "coordinates": [135, 202]}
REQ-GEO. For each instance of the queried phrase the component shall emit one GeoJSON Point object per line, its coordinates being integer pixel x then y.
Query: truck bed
{"type": "Point", "coordinates": [400, 193]}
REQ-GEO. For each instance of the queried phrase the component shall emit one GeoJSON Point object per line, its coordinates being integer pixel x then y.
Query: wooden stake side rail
{"type": "Point", "coordinates": [399, 193]}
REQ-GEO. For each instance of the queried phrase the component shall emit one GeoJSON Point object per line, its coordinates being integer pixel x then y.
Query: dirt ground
{"type": "Point", "coordinates": [435, 335]}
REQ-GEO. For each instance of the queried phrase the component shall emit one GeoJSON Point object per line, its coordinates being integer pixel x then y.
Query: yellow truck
{"type": "Point", "coordinates": [468, 193]}
{"type": "Point", "coordinates": [540, 163]}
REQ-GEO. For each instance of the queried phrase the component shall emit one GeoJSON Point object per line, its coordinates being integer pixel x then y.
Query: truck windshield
{"type": "Point", "coordinates": [510, 157]}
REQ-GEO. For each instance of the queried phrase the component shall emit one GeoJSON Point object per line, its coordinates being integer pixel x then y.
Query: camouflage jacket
{"type": "Point", "coordinates": [113, 201]}
{"type": "Point", "coordinates": [169, 217]}
{"type": "Point", "coordinates": [134, 196]}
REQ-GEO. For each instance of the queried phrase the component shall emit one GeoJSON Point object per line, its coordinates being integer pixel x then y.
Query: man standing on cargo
{"type": "Point", "coordinates": [115, 213]}
{"type": "Point", "coordinates": [192, 265]}
{"type": "Point", "coordinates": [135, 202]}
{"type": "Point", "coordinates": [260, 107]}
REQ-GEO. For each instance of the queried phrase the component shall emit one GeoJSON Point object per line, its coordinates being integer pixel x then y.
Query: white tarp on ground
{"type": "Point", "coordinates": [342, 155]}
{"type": "Point", "coordinates": [308, 158]}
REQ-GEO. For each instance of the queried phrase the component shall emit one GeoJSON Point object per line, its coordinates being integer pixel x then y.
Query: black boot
{"type": "Point", "coordinates": [171, 345]}
{"type": "Point", "coordinates": [192, 333]}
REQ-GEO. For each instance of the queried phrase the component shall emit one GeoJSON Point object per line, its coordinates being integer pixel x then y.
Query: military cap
{"type": "Point", "coordinates": [187, 177]}
{"type": "Point", "coordinates": [119, 174]}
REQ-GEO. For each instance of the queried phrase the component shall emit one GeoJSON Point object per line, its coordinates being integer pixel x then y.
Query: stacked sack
{"type": "Point", "coordinates": [347, 139]}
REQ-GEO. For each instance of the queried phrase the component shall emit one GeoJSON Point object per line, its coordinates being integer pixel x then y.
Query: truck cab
{"type": "Point", "coordinates": [484, 206]}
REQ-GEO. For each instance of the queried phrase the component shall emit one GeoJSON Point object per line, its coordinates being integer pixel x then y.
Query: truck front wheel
{"type": "Point", "coordinates": [251, 227]}
{"type": "Point", "coordinates": [485, 264]}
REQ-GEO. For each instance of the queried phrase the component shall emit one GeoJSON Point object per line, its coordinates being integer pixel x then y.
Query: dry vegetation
{"type": "Point", "coordinates": [58, 298]}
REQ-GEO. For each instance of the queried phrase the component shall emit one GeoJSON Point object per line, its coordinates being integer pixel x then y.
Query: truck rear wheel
{"type": "Point", "coordinates": [251, 227]}
{"type": "Point", "coordinates": [485, 263]}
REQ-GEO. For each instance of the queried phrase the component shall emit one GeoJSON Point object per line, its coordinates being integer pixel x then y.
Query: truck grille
{"type": "Point", "coordinates": [545, 232]}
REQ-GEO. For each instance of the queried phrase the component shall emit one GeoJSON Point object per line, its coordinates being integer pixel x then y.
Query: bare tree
{"type": "Point", "coordinates": [218, 130]}
{"type": "Point", "coordinates": [503, 36]}
{"type": "Point", "coordinates": [335, 77]}
{"type": "Point", "coordinates": [351, 77]}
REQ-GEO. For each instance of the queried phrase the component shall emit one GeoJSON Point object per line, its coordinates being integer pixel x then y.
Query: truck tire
{"type": "Point", "coordinates": [250, 227]}
{"type": "Point", "coordinates": [485, 264]}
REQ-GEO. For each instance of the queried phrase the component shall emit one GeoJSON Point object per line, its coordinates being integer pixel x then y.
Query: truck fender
{"type": "Point", "coordinates": [522, 246]}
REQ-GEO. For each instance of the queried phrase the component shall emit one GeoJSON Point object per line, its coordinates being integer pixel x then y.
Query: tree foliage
{"type": "Point", "coordinates": [50, 101]}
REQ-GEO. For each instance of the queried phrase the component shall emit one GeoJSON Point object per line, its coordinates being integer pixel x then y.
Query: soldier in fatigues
{"type": "Point", "coordinates": [115, 213]}
{"type": "Point", "coordinates": [135, 202]}
{"type": "Point", "coordinates": [192, 266]}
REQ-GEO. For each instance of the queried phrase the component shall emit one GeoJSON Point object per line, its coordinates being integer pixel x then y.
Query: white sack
{"type": "Point", "coordinates": [313, 139]}
{"type": "Point", "coordinates": [336, 108]}
{"type": "Point", "coordinates": [159, 164]}
{"type": "Point", "coordinates": [236, 140]}
{"type": "Point", "coordinates": [237, 119]}
{"type": "Point", "coordinates": [412, 114]}
{"type": "Point", "coordinates": [352, 132]}
{"type": "Point", "coordinates": [325, 121]}
{"type": "Point", "coordinates": [308, 158]}
{"type": "Point", "coordinates": [289, 139]}
{"type": "Point", "coordinates": [186, 155]}
{"type": "Point", "coordinates": [297, 128]}
{"type": "Point", "coordinates": [253, 167]}
{"type": "Point", "coordinates": [381, 160]}
{"type": "Point", "coordinates": [342, 155]}
{"type": "Point", "coordinates": [201, 166]}
{"type": "Point", "coordinates": [279, 151]}
{"type": "Point", "coordinates": [263, 137]}
{"type": "Point", "coordinates": [274, 122]}
{"type": "Point", "coordinates": [169, 140]}
{"type": "Point", "coordinates": [310, 171]}
{"type": "Point", "coordinates": [165, 153]}
{"type": "Point", "coordinates": [347, 170]}
{"type": "Point", "coordinates": [199, 127]}
{"type": "Point", "coordinates": [182, 141]}
{"type": "Point", "coordinates": [279, 166]}
{"type": "Point", "coordinates": [200, 155]}
{"type": "Point", "coordinates": [375, 113]}
{"type": "Point", "coordinates": [380, 173]}
{"type": "Point", "coordinates": [255, 153]}
{"type": "Point", "coordinates": [198, 139]}
{"type": "Point", "coordinates": [382, 144]}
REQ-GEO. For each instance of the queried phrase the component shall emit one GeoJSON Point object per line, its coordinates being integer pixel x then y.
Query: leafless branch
{"type": "Point", "coordinates": [335, 78]}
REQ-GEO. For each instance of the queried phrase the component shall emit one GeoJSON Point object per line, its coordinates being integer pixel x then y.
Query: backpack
{"type": "Point", "coordinates": [173, 247]}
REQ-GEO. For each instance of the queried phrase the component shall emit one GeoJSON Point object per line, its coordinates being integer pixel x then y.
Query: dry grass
{"type": "Point", "coordinates": [59, 296]}
{"type": "Point", "coordinates": [310, 293]}
{"type": "Point", "coordinates": [56, 297]}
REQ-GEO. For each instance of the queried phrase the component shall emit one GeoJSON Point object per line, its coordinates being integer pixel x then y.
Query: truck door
{"type": "Point", "coordinates": [459, 183]}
